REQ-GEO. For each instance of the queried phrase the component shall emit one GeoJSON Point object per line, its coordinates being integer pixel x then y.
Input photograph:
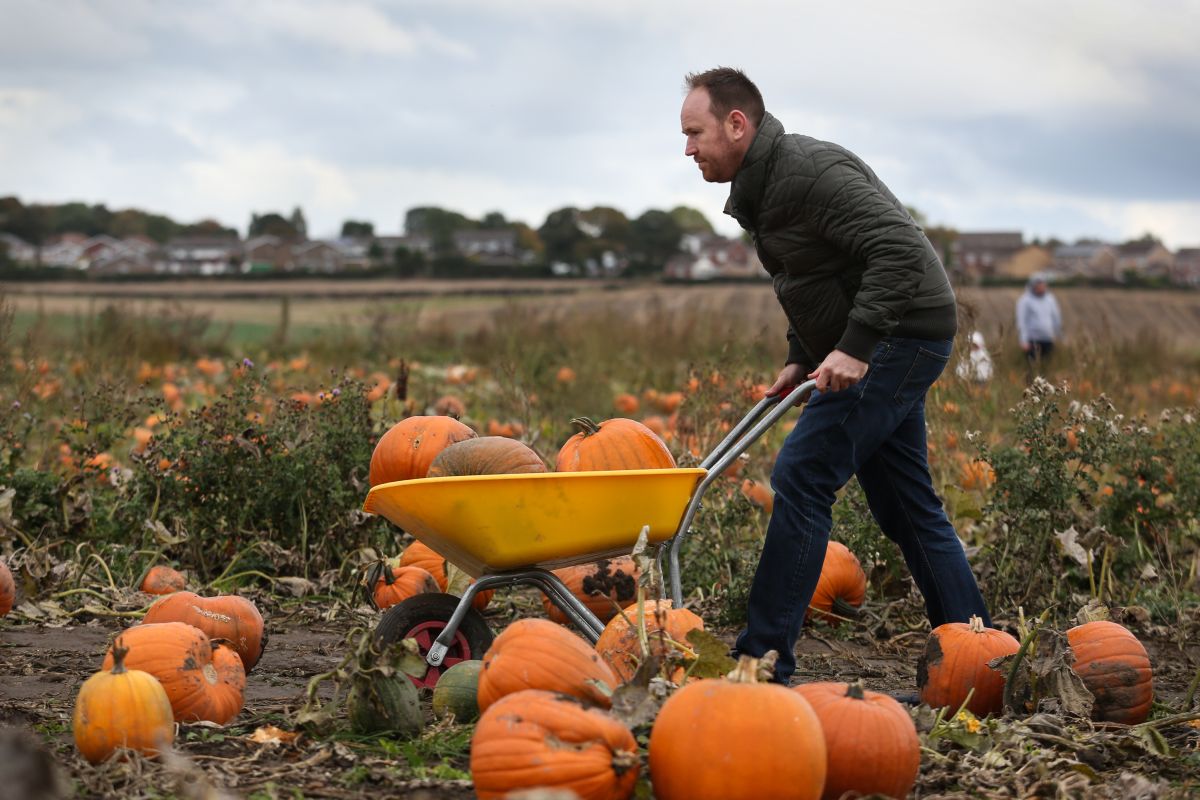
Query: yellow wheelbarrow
{"type": "Point", "coordinates": [509, 530]}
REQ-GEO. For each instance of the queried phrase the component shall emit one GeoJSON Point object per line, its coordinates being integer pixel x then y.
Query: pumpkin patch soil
{"type": "Point", "coordinates": [43, 667]}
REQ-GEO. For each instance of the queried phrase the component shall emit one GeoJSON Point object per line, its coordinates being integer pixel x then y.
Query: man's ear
{"type": "Point", "coordinates": [737, 124]}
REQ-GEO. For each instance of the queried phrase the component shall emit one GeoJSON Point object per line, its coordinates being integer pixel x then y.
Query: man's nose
{"type": "Point", "coordinates": [689, 149]}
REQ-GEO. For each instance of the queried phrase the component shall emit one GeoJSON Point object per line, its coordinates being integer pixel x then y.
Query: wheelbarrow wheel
{"type": "Point", "coordinates": [423, 617]}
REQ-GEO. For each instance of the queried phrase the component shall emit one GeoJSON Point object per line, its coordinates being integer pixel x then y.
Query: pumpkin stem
{"type": "Point", "coordinates": [976, 624]}
{"type": "Point", "coordinates": [754, 670]}
{"type": "Point", "coordinates": [585, 426]}
{"type": "Point", "coordinates": [623, 761]}
{"type": "Point", "coordinates": [855, 690]}
{"type": "Point", "coordinates": [844, 609]}
{"type": "Point", "coordinates": [118, 654]}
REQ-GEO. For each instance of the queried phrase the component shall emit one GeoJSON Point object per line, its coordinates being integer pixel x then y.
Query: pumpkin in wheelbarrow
{"type": "Point", "coordinates": [409, 447]}
{"type": "Point", "coordinates": [613, 444]}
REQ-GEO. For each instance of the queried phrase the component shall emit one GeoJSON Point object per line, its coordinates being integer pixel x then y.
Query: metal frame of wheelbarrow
{"type": "Point", "coordinates": [752, 426]}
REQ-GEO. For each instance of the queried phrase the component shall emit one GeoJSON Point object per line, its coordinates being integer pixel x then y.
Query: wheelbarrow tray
{"type": "Point", "coordinates": [485, 524]}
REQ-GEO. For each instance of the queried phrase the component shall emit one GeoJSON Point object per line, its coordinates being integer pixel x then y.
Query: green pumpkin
{"type": "Point", "coordinates": [456, 692]}
{"type": "Point", "coordinates": [385, 704]}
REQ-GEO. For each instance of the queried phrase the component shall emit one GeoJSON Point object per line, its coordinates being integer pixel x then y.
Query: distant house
{"type": "Point", "coordinates": [1148, 259]}
{"type": "Point", "coordinates": [985, 254]}
{"type": "Point", "coordinates": [64, 250]}
{"type": "Point", "coordinates": [388, 245]}
{"type": "Point", "coordinates": [201, 255]}
{"type": "Point", "coordinates": [266, 254]}
{"type": "Point", "coordinates": [124, 262]}
{"type": "Point", "coordinates": [488, 246]}
{"type": "Point", "coordinates": [317, 257]}
{"type": "Point", "coordinates": [355, 252]}
{"type": "Point", "coordinates": [707, 257]}
{"type": "Point", "coordinates": [98, 248]}
{"type": "Point", "coordinates": [19, 251]}
{"type": "Point", "coordinates": [1092, 261]}
{"type": "Point", "coordinates": [1185, 271]}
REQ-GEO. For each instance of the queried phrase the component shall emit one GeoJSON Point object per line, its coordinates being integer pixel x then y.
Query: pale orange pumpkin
{"type": "Point", "coordinates": [955, 662]}
{"type": "Point", "coordinates": [422, 555]}
{"type": "Point", "coordinates": [161, 579]}
{"type": "Point", "coordinates": [8, 589]}
{"type": "Point", "coordinates": [625, 403]}
{"type": "Point", "coordinates": [620, 645]}
{"type": "Point", "coordinates": [537, 654]}
{"type": "Point", "coordinates": [538, 739]}
{"type": "Point", "coordinates": [612, 445]}
{"type": "Point", "coordinates": [122, 708]}
{"type": "Point", "coordinates": [759, 495]}
{"type": "Point", "coordinates": [229, 617]}
{"type": "Point", "coordinates": [486, 455]}
{"type": "Point", "coordinates": [1115, 668]}
{"type": "Point", "coordinates": [605, 587]}
{"type": "Point", "coordinates": [397, 584]}
{"type": "Point", "coordinates": [409, 447]}
{"type": "Point", "coordinates": [203, 680]}
{"type": "Point", "coordinates": [841, 588]}
{"type": "Point", "coordinates": [871, 743]}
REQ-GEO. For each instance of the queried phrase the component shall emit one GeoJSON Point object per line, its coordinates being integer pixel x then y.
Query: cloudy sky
{"type": "Point", "coordinates": [1066, 119]}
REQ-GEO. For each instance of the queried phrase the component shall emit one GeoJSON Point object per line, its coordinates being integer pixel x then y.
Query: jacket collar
{"type": "Point", "coordinates": [745, 194]}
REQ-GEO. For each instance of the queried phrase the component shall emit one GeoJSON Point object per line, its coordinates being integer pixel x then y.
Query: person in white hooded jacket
{"type": "Point", "coordinates": [1039, 321]}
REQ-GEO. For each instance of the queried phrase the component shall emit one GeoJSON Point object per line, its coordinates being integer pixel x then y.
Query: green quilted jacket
{"type": "Point", "coordinates": [848, 263]}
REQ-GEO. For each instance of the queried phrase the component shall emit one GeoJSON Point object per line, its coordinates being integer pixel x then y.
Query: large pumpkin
{"type": "Point", "coordinates": [161, 579]}
{"type": "Point", "coordinates": [1115, 668]}
{"type": "Point", "coordinates": [409, 447]}
{"type": "Point", "coordinates": [620, 644]}
{"type": "Point", "coordinates": [613, 444]}
{"type": "Point", "coordinates": [841, 588]}
{"type": "Point", "coordinates": [396, 584]}
{"type": "Point", "coordinates": [871, 743]}
{"type": "Point", "coordinates": [537, 739]}
{"type": "Point", "coordinates": [955, 662]}
{"type": "Point", "coordinates": [203, 680]}
{"type": "Point", "coordinates": [8, 589]}
{"type": "Point", "coordinates": [229, 617]}
{"type": "Point", "coordinates": [537, 654]}
{"type": "Point", "coordinates": [486, 455]}
{"type": "Point", "coordinates": [428, 559]}
{"type": "Point", "coordinates": [735, 739]}
{"type": "Point", "coordinates": [604, 587]}
{"type": "Point", "coordinates": [122, 708]}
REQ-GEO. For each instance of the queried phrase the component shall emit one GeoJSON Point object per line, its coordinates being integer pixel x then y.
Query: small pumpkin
{"type": "Point", "coordinates": [759, 495]}
{"type": "Point", "coordinates": [605, 587]}
{"type": "Point", "coordinates": [955, 662]}
{"type": "Point", "coordinates": [457, 692]}
{"type": "Point", "coordinates": [421, 555]}
{"type": "Point", "coordinates": [161, 579]}
{"type": "Point", "coordinates": [613, 444]}
{"type": "Point", "coordinates": [122, 708]}
{"type": "Point", "coordinates": [204, 680]}
{"type": "Point", "coordinates": [409, 447]}
{"type": "Point", "coordinates": [396, 584]}
{"type": "Point", "coordinates": [537, 654]}
{"type": "Point", "coordinates": [229, 617]}
{"type": "Point", "coordinates": [620, 645]}
{"type": "Point", "coordinates": [737, 739]}
{"type": "Point", "coordinates": [1115, 668]}
{"type": "Point", "coordinates": [538, 739]}
{"type": "Point", "coordinates": [486, 455]}
{"type": "Point", "coordinates": [8, 589]}
{"type": "Point", "coordinates": [871, 742]}
{"type": "Point", "coordinates": [841, 588]}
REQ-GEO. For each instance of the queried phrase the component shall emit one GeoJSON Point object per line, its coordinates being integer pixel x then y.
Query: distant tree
{"type": "Point", "coordinates": [560, 234]}
{"type": "Point", "coordinates": [408, 262]}
{"type": "Point", "coordinates": [31, 223]}
{"type": "Point", "coordinates": [653, 238]}
{"type": "Point", "coordinates": [494, 221]}
{"type": "Point", "coordinates": [691, 220]}
{"type": "Point", "coordinates": [299, 223]}
{"type": "Point", "coordinates": [1145, 238]}
{"type": "Point", "coordinates": [528, 240]}
{"type": "Point", "coordinates": [208, 228]}
{"type": "Point", "coordinates": [273, 224]}
{"type": "Point", "coordinates": [355, 229]}
{"type": "Point", "coordinates": [438, 224]}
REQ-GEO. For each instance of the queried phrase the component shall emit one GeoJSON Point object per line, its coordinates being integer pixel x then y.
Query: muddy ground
{"type": "Point", "coordinates": [44, 662]}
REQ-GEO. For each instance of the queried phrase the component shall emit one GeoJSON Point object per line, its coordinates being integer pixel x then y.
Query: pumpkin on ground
{"type": "Point", "coordinates": [122, 708]}
{"type": "Point", "coordinates": [871, 743]}
{"type": "Point", "coordinates": [230, 617]}
{"type": "Point", "coordinates": [736, 739]}
{"type": "Point", "coordinates": [163, 580]}
{"type": "Point", "coordinates": [203, 680]}
{"type": "Point", "coordinates": [397, 584]}
{"type": "Point", "coordinates": [613, 444]}
{"type": "Point", "coordinates": [955, 662]}
{"type": "Point", "coordinates": [486, 455]}
{"type": "Point", "coordinates": [384, 703]}
{"type": "Point", "coordinates": [538, 739]}
{"type": "Point", "coordinates": [1115, 668]}
{"type": "Point", "coordinates": [841, 588]}
{"type": "Point", "coordinates": [620, 645]}
{"type": "Point", "coordinates": [537, 654]}
{"type": "Point", "coordinates": [421, 555]}
{"type": "Point", "coordinates": [605, 587]}
{"type": "Point", "coordinates": [409, 447]}
{"type": "Point", "coordinates": [8, 589]}
{"type": "Point", "coordinates": [457, 692]}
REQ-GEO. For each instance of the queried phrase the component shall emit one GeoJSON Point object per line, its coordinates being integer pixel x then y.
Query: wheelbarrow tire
{"type": "Point", "coordinates": [423, 617]}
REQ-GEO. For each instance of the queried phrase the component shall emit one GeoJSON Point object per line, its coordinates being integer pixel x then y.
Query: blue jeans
{"type": "Point", "coordinates": [875, 430]}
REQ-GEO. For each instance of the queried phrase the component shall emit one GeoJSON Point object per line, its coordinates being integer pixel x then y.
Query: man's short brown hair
{"type": "Point", "coordinates": [729, 89]}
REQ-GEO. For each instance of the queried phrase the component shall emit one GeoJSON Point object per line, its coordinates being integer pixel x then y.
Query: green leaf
{"type": "Point", "coordinates": [712, 655]}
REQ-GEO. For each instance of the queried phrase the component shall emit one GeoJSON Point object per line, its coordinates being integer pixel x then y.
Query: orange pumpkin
{"type": "Point", "coordinates": [203, 680]}
{"type": "Point", "coordinates": [229, 617]}
{"type": "Point", "coordinates": [409, 447]}
{"type": "Point", "coordinates": [737, 739]}
{"type": "Point", "coordinates": [537, 654]}
{"type": "Point", "coordinates": [121, 708]}
{"type": "Point", "coordinates": [1115, 668]}
{"type": "Point", "coordinates": [449, 406]}
{"type": "Point", "coordinates": [841, 588]}
{"type": "Point", "coordinates": [871, 743]}
{"type": "Point", "coordinates": [613, 444]}
{"type": "Point", "coordinates": [619, 644]}
{"type": "Point", "coordinates": [955, 662]}
{"type": "Point", "coordinates": [604, 587]}
{"type": "Point", "coordinates": [8, 589]}
{"type": "Point", "coordinates": [397, 584]}
{"type": "Point", "coordinates": [486, 455]}
{"type": "Point", "coordinates": [625, 403]}
{"type": "Point", "coordinates": [428, 559]}
{"type": "Point", "coordinates": [758, 494]}
{"type": "Point", "coordinates": [537, 739]}
{"type": "Point", "coordinates": [163, 580]}
{"type": "Point", "coordinates": [565, 375]}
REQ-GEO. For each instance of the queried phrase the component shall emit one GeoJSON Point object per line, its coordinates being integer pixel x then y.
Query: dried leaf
{"type": "Point", "coordinates": [1094, 611]}
{"type": "Point", "coordinates": [162, 536]}
{"type": "Point", "coordinates": [637, 704]}
{"type": "Point", "coordinates": [1071, 548]}
{"type": "Point", "coordinates": [299, 587]}
{"type": "Point", "coordinates": [269, 734]}
{"type": "Point", "coordinates": [457, 581]}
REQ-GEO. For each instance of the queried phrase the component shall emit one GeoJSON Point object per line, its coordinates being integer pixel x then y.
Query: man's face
{"type": "Point", "coordinates": [717, 146]}
{"type": "Point", "coordinates": [1039, 288]}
